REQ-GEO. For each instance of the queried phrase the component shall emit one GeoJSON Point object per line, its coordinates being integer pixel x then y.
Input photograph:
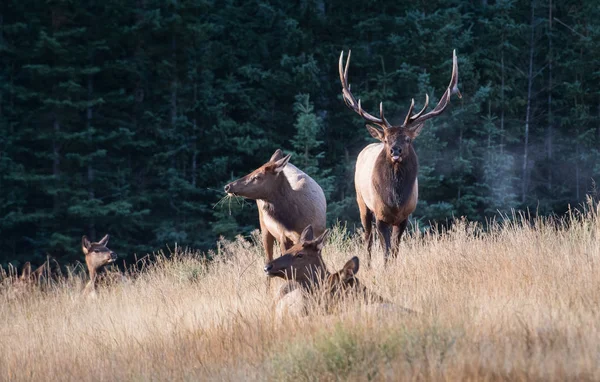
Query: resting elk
{"type": "Point", "coordinates": [305, 273]}
{"type": "Point", "coordinates": [386, 173]}
{"type": "Point", "coordinates": [288, 200]}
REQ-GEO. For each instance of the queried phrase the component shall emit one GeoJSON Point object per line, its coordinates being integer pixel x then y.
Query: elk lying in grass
{"type": "Point", "coordinates": [16, 285]}
{"type": "Point", "coordinates": [306, 275]}
{"type": "Point", "coordinates": [30, 277]}
{"type": "Point", "coordinates": [386, 173]}
{"type": "Point", "coordinates": [97, 255]}
{"type": "Point", "coordinates": [288, 200]}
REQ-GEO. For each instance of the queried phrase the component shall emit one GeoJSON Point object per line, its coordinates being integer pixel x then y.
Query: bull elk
{"type": "Point", "coordinates": [288, 200]}
{"type": "Point", "coordinates": [305, 273]}
{"type": "Point", "coordinates": [97, 255]}
{"type": "Point", "coordinates": [386, 173]}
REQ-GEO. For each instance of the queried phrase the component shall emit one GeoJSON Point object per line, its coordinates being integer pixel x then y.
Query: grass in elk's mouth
{"type": "Point", "coordinates": [517, 301]}
{"type": "Point", "coordinates": [226, 200]}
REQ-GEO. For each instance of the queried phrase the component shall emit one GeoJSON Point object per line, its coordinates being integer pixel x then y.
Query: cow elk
{"type": "Point", "coordinates": [288, 200]}
{"type": "Point", "coordinates": [97, 255]}
{"type": "Point", "coordinates": [386, 173]}
{"type": "Point", "coordinates": [306, 275]}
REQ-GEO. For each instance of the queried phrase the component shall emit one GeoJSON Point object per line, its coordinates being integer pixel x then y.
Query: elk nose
{"type": "Point", "coordinates": [395, 151]}
{"type": "Point", "coordinates": [268, 267]}
{"type": "Point", "coordinates": [227, 188]}
{"type": "Point", "coordinates": [113, 256]}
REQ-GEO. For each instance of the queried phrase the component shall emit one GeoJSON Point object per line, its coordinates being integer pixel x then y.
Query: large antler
{"type": "Point", "coordinates": [351, 101]}
{"type": "Point", "coordinates": [414, 122]}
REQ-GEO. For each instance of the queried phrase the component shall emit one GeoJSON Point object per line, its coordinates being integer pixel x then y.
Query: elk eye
{"type": "Point", "coordinates": [96, 250]}
{"type": "Point", "coordinates": [300, 255]}
{"type": "Point", "coordinates": [407, 139]}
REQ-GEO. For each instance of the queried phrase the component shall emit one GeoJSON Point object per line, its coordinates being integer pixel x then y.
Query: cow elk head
{"type": "Point", "coordinates": [302, 262]}
{"type": "Point", "coordinates": [260, 182]}
{"type": "Point", "coordinates": [97, 254]}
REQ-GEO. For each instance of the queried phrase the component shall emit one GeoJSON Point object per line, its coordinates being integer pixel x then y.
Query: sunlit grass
{"type": "Point", "coordinates": [516, 301]}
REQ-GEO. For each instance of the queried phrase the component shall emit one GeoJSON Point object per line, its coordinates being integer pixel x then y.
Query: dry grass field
{"type": "Point", "coordinates": [518, 301]}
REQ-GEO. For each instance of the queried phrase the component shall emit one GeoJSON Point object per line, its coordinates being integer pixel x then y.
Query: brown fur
{"type": "Point", "coordinates": [288, 200]}
{"type": "Point", "coordinates": [306, 275]}
{"type": "Point", "coordinates": [97, 255]}
{"type": "Point", "coordinates": [386, 173]}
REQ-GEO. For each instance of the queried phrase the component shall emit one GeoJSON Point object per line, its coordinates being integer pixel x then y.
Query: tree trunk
{"type": "Point", "coordinates": [502, 97]}
{"type": "Point", "coordinates": [174, 83]}
{"type": "Point", "coordinates": [550, 116]}
{"type": "Point", "coordinates": [525, 181]}
{"type": "Point", "coordinates": [90, 168]}
{"type": "Point", "coordinates": [195, 132]}
{"type": "Point", "coordinates": [56, 163]}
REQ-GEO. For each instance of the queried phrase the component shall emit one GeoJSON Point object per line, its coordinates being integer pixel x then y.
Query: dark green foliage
{"type": "Point", "coordinates": [128, 117]}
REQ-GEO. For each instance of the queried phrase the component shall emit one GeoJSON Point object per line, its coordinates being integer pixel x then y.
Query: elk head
{"type": "Point", "coordinates": [397, 139]}
{"type": "Point", "coordinates": [27, 275]}
{"type": "Point", "coordinates": [302, 262]}
{"type": "Point", "coordinates": [343, 280]}
{"type": "Point", "coordinates": [259, 183]}
{"type": "Point", "coordinates": [97, 254]}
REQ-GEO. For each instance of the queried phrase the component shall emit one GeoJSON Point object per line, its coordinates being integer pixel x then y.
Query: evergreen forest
{"type": "Point", "coordinates": [129, 117]}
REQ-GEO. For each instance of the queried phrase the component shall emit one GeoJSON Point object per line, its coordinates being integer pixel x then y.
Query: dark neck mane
{"type": "Point", "coordinates": [394, 181]}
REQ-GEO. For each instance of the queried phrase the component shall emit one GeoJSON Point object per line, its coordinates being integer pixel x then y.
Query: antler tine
{"type": "Point", "coordinates": [454, 78]}
{"type": "Point", "coordinates": [347, 65]}
{"type": "Point", "coordinates": [349, 98]}
{"type": "Point", "coordinates": [385, 121]}
{"type": "Point", "coordinates": [410, 109]}
{"type": "Point", "coordinates": [416, 121]}
{"type": "Point", "coordinates": [423, 109]}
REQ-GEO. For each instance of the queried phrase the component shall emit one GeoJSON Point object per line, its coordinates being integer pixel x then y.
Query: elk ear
{"type": "Point", "coordinates": [415, 131]}
{"type": "Point", "coordinates": [104, 241]}
{"type": "Point", "coordinates": [40, 270]}
{"type": "Point", "coordinates": [307, 234]}
{"type": "Point", "coordinates": [26, 271]}
{"type": "Point", "coordinates": [350, 268]}
{"type": "Point", "coordinates": [376, 133]}
{"type": "Point", "coordinates": [278, 154]}
{"type": "Point", "coordinates": [281, 163]}
{"type": "Point", "coordinates": [85, 244]}
{"type": "Point", "coordinates": [320, 241]}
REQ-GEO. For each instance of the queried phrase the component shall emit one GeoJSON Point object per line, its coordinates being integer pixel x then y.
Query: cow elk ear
{"type": "Point", "coordinates": [40, 270]}
{"type": "Point", "coordinates": [26, 271]}
{"type": "Point", "coordinates": [320, 241]}
{"type": "Point", "coordinates": [278, 154]}
{"type": "Point", "coordinates": [281, 163]}
{"type": "Point", "coordinates": [307, 234]}
{"type": "Point", "coordinates": [104, 241]}
{"type": "Point", "coordinates": [376, 133]}
{"type": "Point", "coordinates": [85, 244]}
{"type": "Point", "coordinates": [350, 268]}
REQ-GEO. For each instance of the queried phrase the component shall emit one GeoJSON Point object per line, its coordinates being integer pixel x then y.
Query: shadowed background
{"type": "Point", "coordinates": [128, 117]}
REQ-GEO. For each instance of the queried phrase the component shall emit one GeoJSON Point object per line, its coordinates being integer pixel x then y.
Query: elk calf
{"type": "Point", "coordinates": [386, 173]}
{"type": "Point", "coordinates": [288, 200]}
{"type": "Point", "coordinates": [97, 255]}
{"type": "Point", "coordinates": [306, 276]}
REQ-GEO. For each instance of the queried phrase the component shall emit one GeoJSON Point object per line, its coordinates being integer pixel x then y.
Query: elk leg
{"type": "Point", "coordinates": [397, 232]}
{"type": "Point", "coordinates": [366, 218]}
{"type": "Point", "coordinates": [268, 242]}
{"type": "Point", "coordinates": [285, 244]}
{"type": "Point", "coordinates": [385, 235]}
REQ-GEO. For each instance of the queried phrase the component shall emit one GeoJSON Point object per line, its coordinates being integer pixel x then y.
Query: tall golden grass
{"type": "Point", "coordinates": [517, 301]}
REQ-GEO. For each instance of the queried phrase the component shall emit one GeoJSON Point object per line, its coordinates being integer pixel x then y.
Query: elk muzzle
{"type": "Point", "coordinates": [396, 154]}
{"type": "Point", "coordinates": [279, 266]}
